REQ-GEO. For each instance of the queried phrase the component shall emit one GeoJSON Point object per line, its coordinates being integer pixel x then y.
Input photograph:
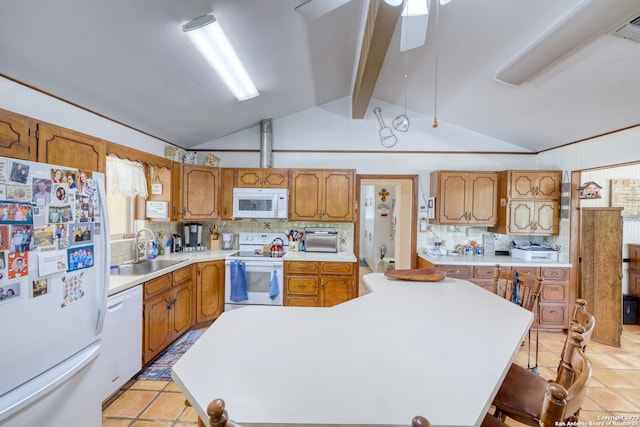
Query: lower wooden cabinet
{"type": "Point", "coordinates": [319, 284]}
{"type": "Point", "coordinates": [168, 311]}
{"type": "Point", "coordinates": [554, 310]}
{"type": "Point", "coordinates": [209, 290]}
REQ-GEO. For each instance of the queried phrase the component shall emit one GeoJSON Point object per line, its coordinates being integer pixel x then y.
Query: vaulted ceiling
{"type": "Point", "coordinates": [130, 61]}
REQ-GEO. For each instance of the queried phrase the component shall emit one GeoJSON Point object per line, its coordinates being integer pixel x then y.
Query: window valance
{"type": "Point", "coordinates": [125, 177]}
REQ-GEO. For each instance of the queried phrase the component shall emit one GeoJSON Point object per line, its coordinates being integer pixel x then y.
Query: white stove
{"type": "Point", "coordinates": [252, 278]}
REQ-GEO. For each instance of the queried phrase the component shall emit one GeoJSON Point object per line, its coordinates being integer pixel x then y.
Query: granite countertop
{"type": "Point", "coordinates": [490, 260]}
{"type": "Point", "coordinates": [119, 283]}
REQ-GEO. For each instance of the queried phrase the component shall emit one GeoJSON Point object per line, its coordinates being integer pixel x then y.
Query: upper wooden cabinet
{"type": "Point", "coordinates": [465, 198]}
{"type": "Point", "coordinates": [64, 147]}
{"type": "Point", "coordinates": [529, 203]}
{"type": "Point", "coordinates": [262, 178]}
{"type": "Point", "coordinates": [534, 184]}
{"type": "Point", "coordinates": [17, 136]}
{"type": "Point", "coordinates": [322, 195]}
{"type": "Point", "coordinates": [227, 181]}
{"type": "Point", "coordinates": [198, 198]}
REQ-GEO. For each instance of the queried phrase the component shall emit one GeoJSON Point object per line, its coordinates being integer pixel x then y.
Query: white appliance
{"type": "Point", "coordinates": [261, 203]}
{"type": "Point", "coordinates": [259, 270]}
{"type": "Point", "coordinates": [51, 331]}
{"type": "Point", "coordinates": [121, 357]}
{"type": "Point", "coordinates": [535, 254]}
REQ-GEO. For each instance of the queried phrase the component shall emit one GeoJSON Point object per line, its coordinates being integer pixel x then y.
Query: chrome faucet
{"type": "Point", "coordinates": [137, 242]}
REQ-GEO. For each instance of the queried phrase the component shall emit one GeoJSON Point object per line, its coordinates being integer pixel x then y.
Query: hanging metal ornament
{"type": "Point", "coordinates": [387, 137]}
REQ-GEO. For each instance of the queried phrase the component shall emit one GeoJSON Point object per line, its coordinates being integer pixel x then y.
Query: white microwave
{"type": "Point", "coordinates": [260, 203]}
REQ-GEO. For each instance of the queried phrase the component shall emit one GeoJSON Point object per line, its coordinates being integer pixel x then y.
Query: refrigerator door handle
{"type": "Point", "coordinates": [103, 292]}
{"type": "Point", "coordinates": [29, 392]}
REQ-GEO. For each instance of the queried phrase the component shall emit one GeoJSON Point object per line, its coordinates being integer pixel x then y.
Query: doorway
{"type": "Point", "coordinates": [385, 234]}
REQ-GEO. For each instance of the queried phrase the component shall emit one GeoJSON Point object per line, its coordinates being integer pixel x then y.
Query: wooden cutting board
{"type": "Point", "coordinates": [417, 275]}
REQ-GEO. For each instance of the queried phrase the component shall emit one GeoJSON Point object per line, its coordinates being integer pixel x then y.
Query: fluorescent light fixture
{"type": "Point", "coordinates": [393, 3]}
{"type": "Point", "coordinates": [207, 36]}
{"type": "Point", "coordinates": [415, 19]}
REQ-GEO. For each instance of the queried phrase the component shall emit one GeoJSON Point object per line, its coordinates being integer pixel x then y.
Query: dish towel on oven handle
{"type": "Point", "coordinates": [238, 282]}
{"type": "Point", "coordinates": [274, 289]}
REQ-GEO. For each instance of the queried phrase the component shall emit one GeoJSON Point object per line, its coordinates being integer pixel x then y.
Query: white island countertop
{"type": "Point", "coordinates": [437, 349]}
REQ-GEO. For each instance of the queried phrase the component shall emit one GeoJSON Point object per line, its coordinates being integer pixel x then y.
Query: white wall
{"type": "Point", "coordinates": [28, 102]}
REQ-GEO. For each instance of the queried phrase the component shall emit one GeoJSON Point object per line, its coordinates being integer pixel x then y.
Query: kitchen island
{"type": "Point", "coordinates": [436, 349]}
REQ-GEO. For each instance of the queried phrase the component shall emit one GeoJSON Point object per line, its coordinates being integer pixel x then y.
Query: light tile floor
{"type": "Point", "coordinates": [614, 389]}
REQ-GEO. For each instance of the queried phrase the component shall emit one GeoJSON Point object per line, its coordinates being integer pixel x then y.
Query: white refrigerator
{"type": "Point", "coordinates": [54, 272]}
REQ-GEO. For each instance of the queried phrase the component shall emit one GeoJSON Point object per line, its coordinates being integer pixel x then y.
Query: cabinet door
{"type": "Point", "coordinates": [227, 178]}
{"type": "Point", "coordinates": [275, 178]}
{"type": "Point", "coordinates": [249, 178]}
{"type": "Point", "coordinates": [199, 192]}
{"type": "Point", "coordinates": [547, 218]}
{"type": "Point", "coordinates": [531, 217]}
{"type": "Point", "coordinates": [336, 290]}
{"type": "Point", "coordinates": [209, 290]}
{"type": "Point", "coordinates": [65, 147]}
{"type": "Point", "coordinates": [452, 206]}
{"type": "Point", "coordinates": [17, 136]}
{"type": "Point", "coordinates": [481, 199]}
{"type": "Point", "coordinates": [157, 326]}
{"type": "Point", "coordinates": [634, 257]}
{"type": "Point", "coordinates": [338, 195]}
{"type": "Point", "coordinates": [182, 310]}
{"type": "Point", "coordinates": [535, 184]}
{"type": "Point", "coordinates": [306, 195]}
{"type": "Point", "coordinates": [634, 283]}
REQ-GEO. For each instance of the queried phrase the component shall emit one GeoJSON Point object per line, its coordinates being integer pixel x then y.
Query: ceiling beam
{"type": "Point", "coordinates": [381, 23]}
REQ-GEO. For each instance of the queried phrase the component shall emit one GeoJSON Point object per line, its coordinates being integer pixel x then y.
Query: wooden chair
{"type": "Point", "coordinates": [524, 290]}
{"type": "Point", "coordinates": [521, 395]}
{"type": "Point", "coordinates": [218, 415]}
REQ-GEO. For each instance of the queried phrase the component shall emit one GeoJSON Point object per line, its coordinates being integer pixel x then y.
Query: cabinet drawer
{"type": "Point", "coordinates": [554, 273]}
{"type": "Point", "coordinates": [337, 268]}
{"type": "Point", "coordinates": [458, 271]}
{"type": "Point", "coordinates": [533, 271]}
{"type": "Point", "coordinates": [552, 293]}
{"type": "Point", "coordinates": [302, 285]}
{"type": "Point", "coordinates": [182, 274]}
{"type": "Point", "coordinates": [296, 301]}
{"type": "Point", "coordinates": [552, 315]}
{"type": "Point", "coordinates": [157, 285]}
{"type": "Point", "coordinates": [301, 267]}
{"type": "Point", "coordinates": [485, 271]}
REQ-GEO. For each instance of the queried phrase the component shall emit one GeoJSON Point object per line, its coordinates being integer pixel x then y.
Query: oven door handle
{"type": "Point", "coordinates": [262, 264]}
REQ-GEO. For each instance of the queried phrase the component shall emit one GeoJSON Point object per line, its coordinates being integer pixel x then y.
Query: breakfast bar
{"type": "Point", "coordinates": [437, 349]}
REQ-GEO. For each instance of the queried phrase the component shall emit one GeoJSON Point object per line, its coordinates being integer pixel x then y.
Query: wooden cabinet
{"type": "Point", "coordinates": [554, 297]}
{"type": "Point", "coordinates": [544, 185]}
{"type": "Point", "coordinates": [17, 136]}
{"type": "Point", "coordinates": [64, 147]}
{"type": "Point", "coordinates": [209, 290]}
{"type": "Point", "coordinates": [529, 203]}
{"type": "Point", "coordinates": [301, 279]}
{"type": "Point", "coordinates": [634, 270]}
{"type": "Point", "coordinates": [601, 270]}
{"type": "Point", "coordinates": [465, 198]}
{"type": "Point", "coordinates": [533, 217]}
{"type": "Point", "coordinates": [168, 310]}
{"type": "Point", "coordinates": [227, 182]}
{"type": "Point", "coordinates": [262, 178]}
{"type": "Point", "coordinates": [319, 284]}
{"type": "Point", "coordinates": [322, 195]}
{"type": "Point", "coordinates": [199, 198]}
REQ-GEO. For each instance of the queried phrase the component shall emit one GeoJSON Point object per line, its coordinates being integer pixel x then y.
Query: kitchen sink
{"type": "Point", "coordinates": [143, 267]}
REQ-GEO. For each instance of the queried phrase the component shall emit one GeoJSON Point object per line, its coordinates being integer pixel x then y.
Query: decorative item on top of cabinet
{"type": "Point", "coordinates": [634, 270]}
{"type": "Point", "coordinates": [262, 178]}
{"type": "Point", "coordinates": [198, 199]}
{"type": "Point", "coordinates": [167, 310]}
{"type": "Point", "coordinates": [209, 290]}
{"type": "Point", "coordinates": [529, 203]}
{"type": "Point", "coordinates": [66, 147]}
{"type": "Point", "coordinates": [464, 197]}
{"type": "Point", "coordinates": [17, 136]}
{"type": "Point", "coordinates": [322, 195]}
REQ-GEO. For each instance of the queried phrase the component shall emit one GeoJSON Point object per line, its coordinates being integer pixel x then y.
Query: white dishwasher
{"type": "Point", "coordinates": [121, 356]}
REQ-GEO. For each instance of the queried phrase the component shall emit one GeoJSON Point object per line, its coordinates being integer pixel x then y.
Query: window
{"type": "Point", "coordinates": [125, 180]}
{"type": "Point", "coordinates": [120, 215]}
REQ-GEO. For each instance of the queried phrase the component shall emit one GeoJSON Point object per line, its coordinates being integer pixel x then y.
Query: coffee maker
{"type": "Point", "coordinates": [192, 236]}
